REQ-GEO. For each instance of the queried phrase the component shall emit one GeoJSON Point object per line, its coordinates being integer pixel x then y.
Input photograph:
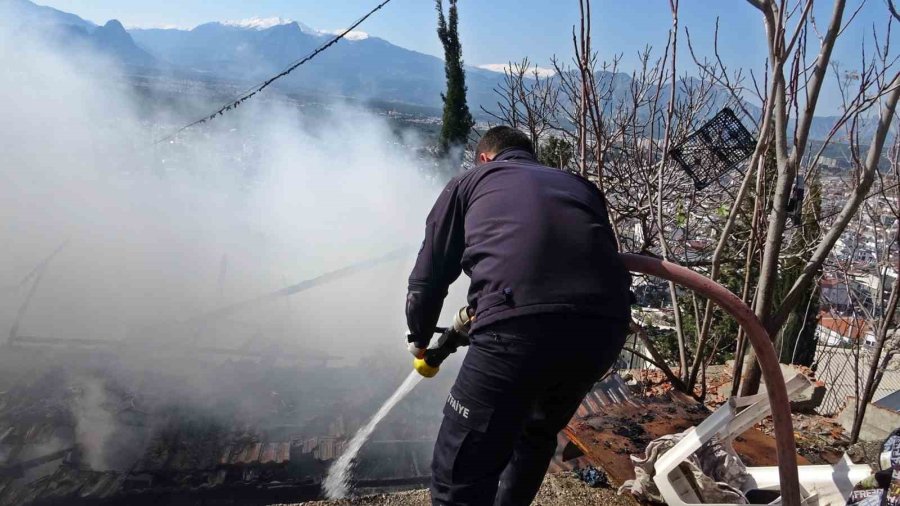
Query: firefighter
{"type": "Point", "coordinates": [550, 299]}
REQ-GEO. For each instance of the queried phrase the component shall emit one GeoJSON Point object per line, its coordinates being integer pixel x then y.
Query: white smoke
{"type": "Point", "coordinates": [155, 234]}
{"type": "Point", "coordinates": [95, 424]}
{"type": "Point", "coordinates": [281, 195]}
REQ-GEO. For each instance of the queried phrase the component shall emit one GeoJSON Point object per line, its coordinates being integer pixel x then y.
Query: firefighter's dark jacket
{"type": "Point", "coordinates": [532, 239]}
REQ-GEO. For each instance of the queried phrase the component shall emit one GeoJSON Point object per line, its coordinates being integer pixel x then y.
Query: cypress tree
{"type": "Point", "coordinates": [457, 120]}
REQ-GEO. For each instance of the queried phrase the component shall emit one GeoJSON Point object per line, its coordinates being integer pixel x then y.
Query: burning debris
{"type": "Point", "coordinates": [89, 435]}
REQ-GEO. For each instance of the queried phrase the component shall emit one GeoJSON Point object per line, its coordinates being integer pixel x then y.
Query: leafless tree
{"type": "Point", "coordinates": [883, 213]}
{"type": "Point", "coordinates": [800, 88]}
{"type": "Point", "coordinates": [624, 128]}
{"type": "Point", "coordinates": [527, 100]}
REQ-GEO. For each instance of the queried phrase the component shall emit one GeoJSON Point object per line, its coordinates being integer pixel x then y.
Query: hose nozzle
{"type": "Point", "coordinates": [451, 339]}
{"type": "Point", "coordinates": [422, 367]}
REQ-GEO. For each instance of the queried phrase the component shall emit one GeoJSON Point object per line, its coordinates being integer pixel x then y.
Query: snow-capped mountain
{"type": "Point", "coordinates": [264, 23]}
{"type": "Point", "coordinates": [360, 66]}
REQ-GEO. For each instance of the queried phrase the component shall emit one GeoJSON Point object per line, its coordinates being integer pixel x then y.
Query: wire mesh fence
{"type": "Point", "coordinates": [843, 371]}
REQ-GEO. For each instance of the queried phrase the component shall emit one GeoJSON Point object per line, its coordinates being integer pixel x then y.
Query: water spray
{"type": "Point", "coordinates": [337, 482]}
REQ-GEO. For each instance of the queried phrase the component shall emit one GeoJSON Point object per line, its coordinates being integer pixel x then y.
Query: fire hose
{"type": "Point", "coordinates": [456, 336]}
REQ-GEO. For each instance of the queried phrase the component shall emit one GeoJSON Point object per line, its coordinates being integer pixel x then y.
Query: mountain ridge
{"type": "Point", "coordinates": [362, 67]}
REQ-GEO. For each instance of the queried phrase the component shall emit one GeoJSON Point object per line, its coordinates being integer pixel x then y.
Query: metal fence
{"type": "Point", "coordinates": [843, 371]}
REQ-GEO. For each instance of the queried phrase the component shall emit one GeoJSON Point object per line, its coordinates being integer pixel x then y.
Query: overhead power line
{"type": "Point", "coordinates": [249, 93]}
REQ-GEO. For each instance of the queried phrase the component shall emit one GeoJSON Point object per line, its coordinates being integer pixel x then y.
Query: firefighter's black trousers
{"type": "Point", "coordinates": [520, 383]}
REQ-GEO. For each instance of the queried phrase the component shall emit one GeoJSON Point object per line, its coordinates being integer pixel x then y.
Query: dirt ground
{"type": "Point", "coordinates": [558, 490]}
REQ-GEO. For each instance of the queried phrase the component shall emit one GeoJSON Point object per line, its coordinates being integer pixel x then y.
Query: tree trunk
{"type": "Point", "coordinates": [773, 322]}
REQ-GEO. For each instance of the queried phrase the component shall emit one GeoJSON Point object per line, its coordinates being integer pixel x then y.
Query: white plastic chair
{"type": "Point", "coordinates": [821, 485]}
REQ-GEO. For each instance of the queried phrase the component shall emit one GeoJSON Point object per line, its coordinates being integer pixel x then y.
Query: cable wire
{"type": "Point", "coordinates": [250, 92]}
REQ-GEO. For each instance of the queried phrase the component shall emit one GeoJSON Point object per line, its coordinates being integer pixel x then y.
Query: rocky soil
{"type": "Point", "coordinates": [558, 490]}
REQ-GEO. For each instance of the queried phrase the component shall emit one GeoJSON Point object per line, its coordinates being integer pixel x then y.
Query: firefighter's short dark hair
{"type": "Point", "coordinates": [503, 137]}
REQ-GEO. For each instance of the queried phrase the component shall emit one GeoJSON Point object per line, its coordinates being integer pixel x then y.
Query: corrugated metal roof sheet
{"type": "Point", "coordinates": [611, 390]}
{"type": "Point", "coordinates": [250, 453]}
{"type": "Point", "coordinates": [284, 452]}
{"type": "Point", "coordinates": [268, 453]}
{"type": "Point", "coordinates": [275, 453]}
{"type": "Point", "coordinates": [225, 458]}
{"type": "Point", "coordinates": [327, 449]}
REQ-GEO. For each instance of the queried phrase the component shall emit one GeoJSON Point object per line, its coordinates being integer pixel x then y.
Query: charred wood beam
{"type": "Point", "coordinates": [19, 468]}
{"type": "Point", "coordinates": [296, 288]}
{"type": "Point", "coordinates": [36, 274]}
{"type": "Point", "coordinates": [62, 341]}
{"type": "Point", "coordinates": [43, 264]}
{"type": "Point", "coordinates": [123, 346]}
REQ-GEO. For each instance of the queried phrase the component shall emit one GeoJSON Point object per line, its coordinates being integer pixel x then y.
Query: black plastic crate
{"type": "Point", "coordinates": [714, 149]}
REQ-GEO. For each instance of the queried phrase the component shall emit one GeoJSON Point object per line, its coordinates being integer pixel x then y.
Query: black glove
{"type": "Point", "coordinates": [422, 313]}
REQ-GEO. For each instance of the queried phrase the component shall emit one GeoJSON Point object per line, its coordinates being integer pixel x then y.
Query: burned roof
{"type": "Point", "coordinates": [67, 482]}
{"type": "Point", "coordinates": [275, 453]}
{"type": "Point", "coordinates": [612, 424]}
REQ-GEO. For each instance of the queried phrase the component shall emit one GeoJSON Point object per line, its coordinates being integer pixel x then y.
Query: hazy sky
{"type": "Point", "coordinates": [496, 31]}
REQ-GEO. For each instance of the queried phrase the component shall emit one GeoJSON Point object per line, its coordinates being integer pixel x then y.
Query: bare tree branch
{"type": "Point", "coordinates": [851, 207]}
{"type": "Point", "coordinates": [893, 9]}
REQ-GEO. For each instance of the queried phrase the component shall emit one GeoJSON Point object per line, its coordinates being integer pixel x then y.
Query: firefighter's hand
{"type": "Point", "coordinates": [416, 345]}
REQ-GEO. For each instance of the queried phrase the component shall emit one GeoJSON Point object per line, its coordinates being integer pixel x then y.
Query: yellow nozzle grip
{"type": "Point", "coordinates": [424, 369]}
